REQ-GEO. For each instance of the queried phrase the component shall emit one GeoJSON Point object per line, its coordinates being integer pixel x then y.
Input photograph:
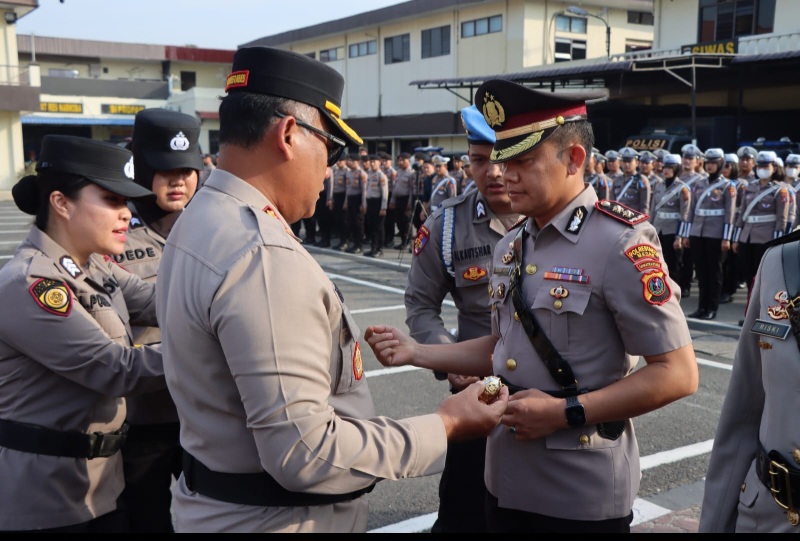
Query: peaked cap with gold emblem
{"type": "Point", "coordinates": [523, 118]}
{"type": "Point", "coordinates": [293, 76]}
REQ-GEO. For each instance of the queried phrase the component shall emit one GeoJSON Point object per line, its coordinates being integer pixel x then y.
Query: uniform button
{"type": "Point", "coordinates": [796, 455]}
{"type": "Point", "coordinates": [744, 486]}
{"type": "Point", "coordinates": [584, 439]}
{"type": "Point", "coordinates": [516, 316]}
{"type": "Point", "coordinates": [511, 364]}
{"type": "Point", "coordinates": [531, 269]}
{"type": "Point", "coordinates": [491, 291]}
{"type": "Point", "coordinates": [558, 304]}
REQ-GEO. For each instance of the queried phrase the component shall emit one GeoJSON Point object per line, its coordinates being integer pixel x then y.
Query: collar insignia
{"type": "Point", "coordinates": [480, 209]}
{"type": "Point", "coordinates": [576, 220]}
{"type": "Point", "coordinates": [70, 266]}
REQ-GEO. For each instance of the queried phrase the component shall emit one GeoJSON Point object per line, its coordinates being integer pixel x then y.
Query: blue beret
{"type": "Point", "coordinates": [478, 131]}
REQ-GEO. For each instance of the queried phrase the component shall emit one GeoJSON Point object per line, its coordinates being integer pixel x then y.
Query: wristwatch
{"type": "Point", "coordinates": [576, 416]}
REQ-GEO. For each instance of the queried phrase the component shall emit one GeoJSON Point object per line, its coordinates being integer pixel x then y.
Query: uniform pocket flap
{"type": "Point", "coordinates": [585, 437]}
{"type": "Point", "coordinates": [560, 298]}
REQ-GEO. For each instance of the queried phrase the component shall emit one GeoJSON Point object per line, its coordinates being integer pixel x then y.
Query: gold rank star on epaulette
{"type": "Point", "coordinates": [620, 212]}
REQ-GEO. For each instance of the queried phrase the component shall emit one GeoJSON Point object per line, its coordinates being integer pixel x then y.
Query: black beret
{"type": "Point", "coordinates": [374, 157]}
{"type": "Point", "coordinates": [105, 164]}
{"type": "Point", "coordinates": [523, 118]}
{"type": "Point", "coordinates": [167, 139]}
{"type": "Point", "coordinates": [293, 76]}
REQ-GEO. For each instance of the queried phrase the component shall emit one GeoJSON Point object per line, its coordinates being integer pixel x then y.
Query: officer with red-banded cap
{"type": "Point", "coordinates": [453, 255]}
{"type": "Point", "coordinates": [167, 160]}
{"type": "Point", "coordinates": [67, 355]}
{"type": "Point", "coordinates": [578, 291]}
{"type": "Point", "coordinates": [262, 357]}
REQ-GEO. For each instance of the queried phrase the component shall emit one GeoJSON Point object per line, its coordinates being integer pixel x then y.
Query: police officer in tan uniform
{"type": "Point", "coordinates": [400, 200]}
{"type": "Point", "coordinates": [443, 186]}
{"type": "Point", "coordinates": [377, 197]}
{"type": "Point", "coordinates": [670, 212]}
{"type": "Point", "coordinates": [598, 181]}
{"type": "Point", "coordinates": [66, 346]}
{"type": "Point", "coordinates": [753, 479]}
{"type": "Point", "coordinates": [763, 216]}
{"type": "Point", "coordinates": [336, 203]}
{"type": "Point", "coordinates": [391, 216]}
{"type": "Point", "coordinates": [587, 279]}
{"type": "Point", "coordinates": [689, 155]}
{"type": "Point", "coordinates": [355, 203]}
{"type": "Point", "coordinates": [632, 188]}
{"type": "Point", "coordinates": [613, 166]}
{"type": "Point", "coordinates": [453, 255]}
{"type": "Point", "coordinates": [167, 159]}
{"type": "Point", "coordinates": [712, 212]}
{"type": "Point", "coordinates": [262, 357]}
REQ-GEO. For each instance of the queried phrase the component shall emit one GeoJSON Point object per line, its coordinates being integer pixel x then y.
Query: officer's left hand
{"type": "Point", "coordinates": [726, 245]}
{"type": "Point", "coordinates": [382, 212]}
{"type": "Point", "coordinates": [534, 414]}
{"type": "Point", "coordinates": [677, 244]}
{"type": "Point", "coordinates": [362, 209]}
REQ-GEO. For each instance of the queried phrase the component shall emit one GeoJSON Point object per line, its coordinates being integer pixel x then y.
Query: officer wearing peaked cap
{"type": "Point", "coordinates": [167, 160]}
{"type": "Point", "coordinates": [670, 211]}
{"type": "Point", "coordinates": [578, 272]}
{"type": "Point", "coordinates": [613, 166]}
{"type": "Point", "coordinates": [443, 185]}
{"type": "Point", "coordinates": [67, 357]}
{"type": "Point", "coordinates": [598, 181]}
{"type": "Point", "coordinates": [747, 157]}
{"type": "Point", "coordinates": [453, 255]}
{"type": "Point", "coordinates": [632, 188]}
{"type": "Point", "coordinates": [647, 162]}
{"type": "Point", "coordinates": [793, 182]}
{"type": "Point", "coordinates": [263, 359]}
{"type": "Point", "coordinates": [688, 176]}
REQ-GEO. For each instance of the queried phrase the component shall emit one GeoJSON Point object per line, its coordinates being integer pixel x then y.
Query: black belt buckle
{"type": "Point", "coordinates": [778, 472]}
{"type": "Point", "coordinates": [106, 445]}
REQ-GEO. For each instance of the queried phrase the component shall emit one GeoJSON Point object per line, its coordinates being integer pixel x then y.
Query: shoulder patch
{"type": "Point", "coordinates": [732, 190]}
{"type": "Point", "coordinates": [656, 287]}
{"type": "Point", "coordinates": [52, 296]}
{"type": "Point", "coordinates": [620, 212]}
{"type": "Point", "coordinates": [422, 239]}
{"type": "Point", "coordinates": [642, 251]}
{"type": "Point", "coordinates": [685, 193]}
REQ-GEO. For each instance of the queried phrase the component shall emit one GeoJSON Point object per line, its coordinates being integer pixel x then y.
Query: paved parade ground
{"type": "Point", "coordinates": [675, 441]}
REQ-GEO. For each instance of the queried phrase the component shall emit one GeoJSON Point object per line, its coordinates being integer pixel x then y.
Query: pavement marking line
{"type": "Point", "coordinates": [379, 309]}
{"type": "Point", "coordinates": [389, 371]}
{"type": "Point", "coordinates": [674, 455]}
{"type": "Point", "coordinates": [714, 364]}
{"type": "Point", "coordinates": [413, 525]}
{"type": "Point", "coordinates": [6, 256]}
{"type": "Point", "coordinates": [644, 511]}
{"type": "Point", "coordinates": [706, 323]}
{"type": "Point", "coordinates": [373, 285]}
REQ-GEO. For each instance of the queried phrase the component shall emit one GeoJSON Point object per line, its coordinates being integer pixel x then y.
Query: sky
{"type": "Point", "coordinates": [209, 24]}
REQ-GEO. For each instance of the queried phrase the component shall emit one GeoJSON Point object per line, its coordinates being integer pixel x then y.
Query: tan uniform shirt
{"type": "Point", "coordinates": [713, 208]}
{"type": "Point", "coordinates": [761, 404]}
{"type": "Point", "coordinates": [443, 188]}
{"type": "Point", "coordinates": [633, 191]}
{"type": "Point", "coordinates": [460, 266]}
{"type": "Point", "coordinates": [581, 278]}
{"type": "Point", "coordinates": [670, 210]}
{"type": "Point", "coordinates": [143, 249]}
{"type": "Point", "coordinates": [768, 217]}
{"type": "Point", "coordinates": [339, 180]}
{"type": "Point", "coordinates": [66, 366]}
{"type": "Point", "coordinates": [378, 187]}
{"type": "Point", "coordinates": [357, 184]}
{"type": "Point", "coordinates": [263, 361]}
{"type": "Point", "coordinates": [403, 183]}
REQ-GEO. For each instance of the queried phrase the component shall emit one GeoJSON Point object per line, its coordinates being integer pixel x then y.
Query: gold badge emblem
{"type": "Point", "coordinates": [501, 291]}
{"type": "Point", "coordinates": [474, 273]}
{"type": "Point", "coordinates": [793, 517]}
{"type": "Point", "coordinates": [52, 296]}
{"type": "Point", "coordinates": [493, 112]}
{"type": "Point", "coordinates": [358, 364]}
{"type": "Point", "coordinates": [559, 292]}
{"type": "Point", "coordinates": [507, 258]}
{"type": "Point", "coordinates": [491, 389]}
{"type": "Point", "coordinates": [491, 291]}
{"type": "Point", "coordinates": [779, 312]}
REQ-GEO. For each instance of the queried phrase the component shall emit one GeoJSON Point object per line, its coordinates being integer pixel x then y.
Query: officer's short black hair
{"type": "Point", "coordinates": [581, 131]}
{"type": "Point", "coordinates": [245, 117]}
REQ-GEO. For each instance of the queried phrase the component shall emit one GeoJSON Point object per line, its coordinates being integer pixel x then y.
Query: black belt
{"type": "Point", "coordinates": [779, 476]}
{"type": "Point", "coordinates": [46, 441]}
{"type": "Point", "coordinates": [610, 430]}
{"type": "Point", "coordinates": [259, 489]}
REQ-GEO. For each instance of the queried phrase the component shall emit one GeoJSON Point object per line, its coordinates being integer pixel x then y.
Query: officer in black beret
{"type": "Point", "coordinates": [68, 352]}
{"type": "Point", "coordinates": [263, 358]}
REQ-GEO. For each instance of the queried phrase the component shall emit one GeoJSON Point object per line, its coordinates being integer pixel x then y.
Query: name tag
{"type": "Point", "coordinates": [768, 328]}
{"type": "Point", "coordinates": [502, 271]}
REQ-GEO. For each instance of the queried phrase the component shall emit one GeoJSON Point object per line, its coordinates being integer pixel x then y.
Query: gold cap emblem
{"type": "Point", "coordinates": [493, 112]}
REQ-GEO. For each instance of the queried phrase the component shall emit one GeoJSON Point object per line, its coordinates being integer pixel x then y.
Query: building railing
{"type": "Point", "coordinates": [14, 75]}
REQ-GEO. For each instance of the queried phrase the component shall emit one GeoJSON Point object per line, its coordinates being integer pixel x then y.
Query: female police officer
{"type": "Point", "coordinates": [66, 355]}
{"type": "Point", "coordinates": [167, 160]}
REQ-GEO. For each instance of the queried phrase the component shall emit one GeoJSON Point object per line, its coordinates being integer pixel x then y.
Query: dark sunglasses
{"type": "Point", "coordinates": [335, 152]}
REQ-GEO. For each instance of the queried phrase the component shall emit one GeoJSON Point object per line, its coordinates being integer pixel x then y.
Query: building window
{"type": "Point", "coordinates": [363, 49]}
{"type": "Point", "coordinates": [727, 19]}
{"type": "Point", "coordinates": [436, 42]}
{"type": "Point", "coordinates": [397, 49]}
{"type": "Point", "coordinates": [478, 27]}
{"type": "Point", "coordinates": [640, 17]}
{"type": "Point", "coordinates": [69, 74]}
{"type": "Point", "coordinates": [576, 25]}
{"type": "Point", "coordinates": [570, 49]}
{"type": "Point", "coordinates": [632, 45]}
{"type": "Point", "coordinates": [329, 55]}
{"type": "Point", "coordinates": [188, 80]}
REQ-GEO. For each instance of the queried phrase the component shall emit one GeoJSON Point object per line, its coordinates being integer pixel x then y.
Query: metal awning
{"type": "Point", "coordinates": [77, 120]}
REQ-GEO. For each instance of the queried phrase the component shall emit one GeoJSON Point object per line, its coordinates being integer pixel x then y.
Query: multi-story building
{"type": "Point", "coordinates": [381, 52]}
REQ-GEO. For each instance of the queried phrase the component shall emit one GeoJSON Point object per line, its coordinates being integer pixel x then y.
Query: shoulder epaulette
{"type": "Point", "coordinates": [620, 212]}
{"type": "Point", "coordinates": [453, 201]}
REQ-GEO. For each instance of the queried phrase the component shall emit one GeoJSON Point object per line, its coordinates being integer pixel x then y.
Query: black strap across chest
{"type": "Point", "coordinates": [790, 258]}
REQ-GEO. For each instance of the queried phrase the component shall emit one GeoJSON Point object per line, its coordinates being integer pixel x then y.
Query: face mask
{"type": "Point", "coordinates": [763, 174]}
{"type": "Point", "coordinates": [792, 172]}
